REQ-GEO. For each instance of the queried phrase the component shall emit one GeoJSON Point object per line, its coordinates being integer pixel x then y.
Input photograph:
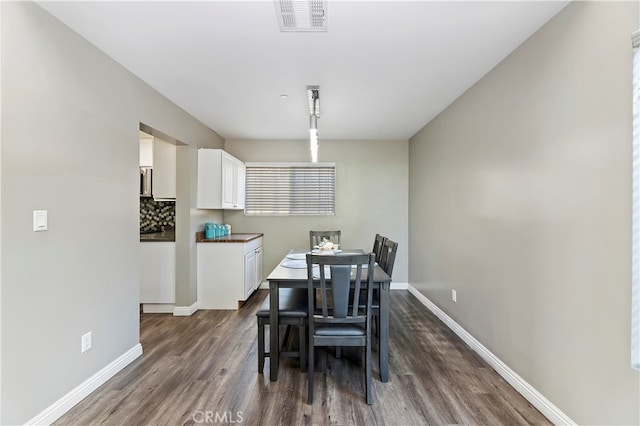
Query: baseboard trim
{"type": "Point", "coordinates": [185, 311]}
{"type": "Point", "coordinates": [157, 308]}
{"type": "Point", "coordinates": [64, 404]}
{"type": "Point", "coordinates": [394, 286]}
{"type": "Point", "coordinates": [399, 286]}
{"type": "Point", "coordinates": [546, 407]}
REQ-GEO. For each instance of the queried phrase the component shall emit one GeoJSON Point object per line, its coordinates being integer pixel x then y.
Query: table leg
{"type": "Point", "coordinates": [274, 338]}
{"type": "Point", "coordinates": [384, 332]}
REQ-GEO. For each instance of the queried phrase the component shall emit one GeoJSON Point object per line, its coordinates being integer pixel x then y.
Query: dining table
{"type": "Point", "coordinates": [291, 272]}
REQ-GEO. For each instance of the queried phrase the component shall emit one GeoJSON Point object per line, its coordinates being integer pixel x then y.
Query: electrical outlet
{"type": "Point", "coordinates": [86, 342]}
{"type": "Point", "coordinates": [454, 297]}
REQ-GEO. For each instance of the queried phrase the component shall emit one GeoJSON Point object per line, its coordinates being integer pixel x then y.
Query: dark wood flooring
{"type": "Point", "coordinates": [203, 370]}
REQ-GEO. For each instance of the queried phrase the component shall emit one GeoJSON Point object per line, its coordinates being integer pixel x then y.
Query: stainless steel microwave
{"type": "Point", "coordinates": [146, 182]}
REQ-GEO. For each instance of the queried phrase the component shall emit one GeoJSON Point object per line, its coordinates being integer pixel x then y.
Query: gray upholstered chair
{"type": "Point", "coordinates": [316, 237]}
{"type": "Point", "coordinates": [293, 312]}
{"type": "Point", "coordinates": [340, 321]}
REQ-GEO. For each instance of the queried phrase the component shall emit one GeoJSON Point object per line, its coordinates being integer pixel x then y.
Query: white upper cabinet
{"type": "Point", "coordinates": [160, 155]}
{"type": "Point", "coordinates": [146, 151]}
{"type": "Point", "coordinates": [221, 180]}
{"type": "Point", "coordinates": [164, 169]}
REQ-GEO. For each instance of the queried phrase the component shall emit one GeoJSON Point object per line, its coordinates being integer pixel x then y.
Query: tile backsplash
{"type": "Point", "coordinates": [154, 215]}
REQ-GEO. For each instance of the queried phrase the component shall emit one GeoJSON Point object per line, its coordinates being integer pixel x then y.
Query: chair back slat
{"type": "Point", "coordinates": [323, 292]}
{"type": "Point", "coordinates": [356, 290]}
{"type": "Point", "coordinates": [340, 283]}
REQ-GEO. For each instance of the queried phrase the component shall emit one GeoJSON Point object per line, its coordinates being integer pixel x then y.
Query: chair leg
{"type": "Point", "coordinates": [302, 336]}
{"type": "Point", "coordinates": [367, 363]}
{"type": "Point", "coordinates": [310, 371]}
{"type": "Point", "coordinates": [260, 346]}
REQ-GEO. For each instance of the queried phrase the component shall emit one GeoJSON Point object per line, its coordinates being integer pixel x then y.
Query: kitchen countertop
{"type": "Point", "coordinates": [168, 234]}
{"type": "Point", "coordinates": [232, 238]}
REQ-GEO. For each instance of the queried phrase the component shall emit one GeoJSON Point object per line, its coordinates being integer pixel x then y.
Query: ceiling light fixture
{"type": "Point", "coordinates": [313, 95]}
{"type": "Point", "coordinates": [301, 15]}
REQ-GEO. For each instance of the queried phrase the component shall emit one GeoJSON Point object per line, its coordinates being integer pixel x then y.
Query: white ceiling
{"type": "Point", "coordinates": [385, 68]}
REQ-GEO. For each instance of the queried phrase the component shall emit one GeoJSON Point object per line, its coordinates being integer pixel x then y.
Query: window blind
{"type": "Point", "coordinates": [290, 189]}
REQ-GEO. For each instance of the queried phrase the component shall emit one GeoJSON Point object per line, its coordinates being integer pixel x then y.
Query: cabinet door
{"type": "Point", "coordinates": [157, 272]}
{"type": "Point", "coordinates": [164, 169]}
{"type": "Point", "coordinates": [240, 185]}
{"type": "Point", "coordinates": [209, 186]}
{"type": "Point", "coordinates": [249, 273]}
{"type": "Point", "coordinates": [259, 265]}
{"type": "Point", "coordinates": [146, 152]}
{"type": "Point", "coordinates": [228, 181]}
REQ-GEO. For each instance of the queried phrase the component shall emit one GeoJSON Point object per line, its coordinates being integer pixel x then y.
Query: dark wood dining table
{"type": "Point", "coordinates": [295, 276]}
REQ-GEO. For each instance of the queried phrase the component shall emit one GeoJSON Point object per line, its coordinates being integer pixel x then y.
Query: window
{"type": "Point", "coordinates": [635, 263]}
{"type": "Point", "coordinates": [290, 189]}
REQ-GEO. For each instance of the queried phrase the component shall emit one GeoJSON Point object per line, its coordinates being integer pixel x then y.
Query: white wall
{"type": "Point", "coordinates": [69, 145]}
{"type": "Point", "coordinates": [520, 199]}
{"type": "Point", "coordinates": [371, 197]}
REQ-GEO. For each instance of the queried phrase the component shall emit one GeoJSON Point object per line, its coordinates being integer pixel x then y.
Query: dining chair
{"type": "Point", "coordinates": [385, 258]}
{"type": "Point", "coordinates": [340, 321]}
{"type": "Point", "coordinates": [388, 256]}
{"type": "Point", "coordinates": [316, 237]}
{"type": "Point", "coordinates": [378, 242]}
{"type": "Point", "coordinates": [293, 312]}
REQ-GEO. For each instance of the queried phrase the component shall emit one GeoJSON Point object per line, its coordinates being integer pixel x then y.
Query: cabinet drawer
{"type": "Point", "coordinates": [252, 245]}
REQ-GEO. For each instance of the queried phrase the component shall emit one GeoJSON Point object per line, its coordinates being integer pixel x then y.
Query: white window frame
{"type": "Point", "coordinates": [281, 201]}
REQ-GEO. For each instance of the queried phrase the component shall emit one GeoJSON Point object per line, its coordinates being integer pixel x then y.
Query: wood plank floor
{"type": "Point", "coordinates": [203, 369]}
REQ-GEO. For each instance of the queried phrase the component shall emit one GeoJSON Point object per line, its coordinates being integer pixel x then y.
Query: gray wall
{"type": "Point", "coordinates": [189, 221]}
{"type": "Point", "coordinates": [520, 199]}
{"type": "Point", "coordinates": [371, 197]}
{"type": "Point", "coordinates": [70, 120]}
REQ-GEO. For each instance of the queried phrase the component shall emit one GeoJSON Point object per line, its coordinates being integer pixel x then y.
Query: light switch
{"type": "Point", "coordinates": [39, 220]}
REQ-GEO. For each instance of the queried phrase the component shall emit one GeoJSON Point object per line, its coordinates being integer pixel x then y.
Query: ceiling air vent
{"type": "Point", "coordinates": [302, 15]}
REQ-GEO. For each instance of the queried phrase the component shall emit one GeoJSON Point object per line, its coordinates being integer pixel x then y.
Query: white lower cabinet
{"type": "Point", "coordinates": [157, 273]}
{"type": "Point", "coordinates": [227, 272]}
